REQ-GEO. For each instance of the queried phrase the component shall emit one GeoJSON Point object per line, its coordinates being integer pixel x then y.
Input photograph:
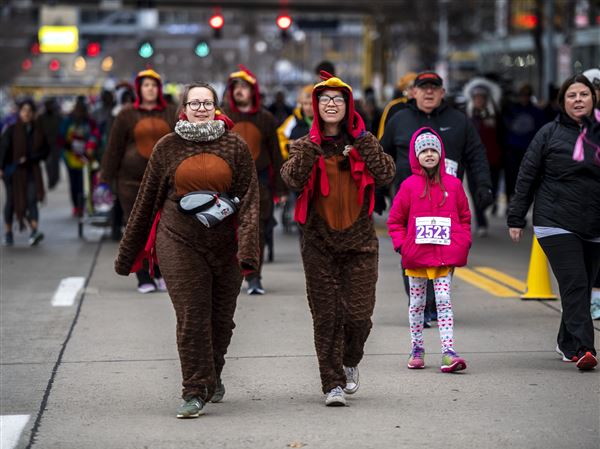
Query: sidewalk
{"type": "Point", "coordinates": [119, 382]}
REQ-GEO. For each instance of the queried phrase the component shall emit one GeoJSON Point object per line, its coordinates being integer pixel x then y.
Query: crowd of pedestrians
{"type": "Point", "coordinates": [196, 186]}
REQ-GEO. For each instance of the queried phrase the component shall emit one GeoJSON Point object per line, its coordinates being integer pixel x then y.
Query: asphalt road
{"type": "Point", "coordinates": [104, 373]}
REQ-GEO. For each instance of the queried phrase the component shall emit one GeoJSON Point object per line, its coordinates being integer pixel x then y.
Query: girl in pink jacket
{"type": "Point", "coordinates": [430, 226]}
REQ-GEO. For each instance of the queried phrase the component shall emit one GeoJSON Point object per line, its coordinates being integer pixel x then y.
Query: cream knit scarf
{"type": "Point", "coordinates": [200, 131]}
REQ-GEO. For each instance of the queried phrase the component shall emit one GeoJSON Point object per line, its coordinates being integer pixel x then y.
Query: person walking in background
{"type": "Point", "coordinates": [22, 147]}
{"type": "Point", "coordinates": [202, 262]}
{"type": "Point", "coordinates": [402, 94]}
{"type": "Point", "coordinates": [430, 226]}
{"type": "Point", "coordinates": [336, 167]}
{"type": "Point", "coordinates": [279, 108]}
{"type": "Point", "coordinates": [522, 120]}
{"type": "Point", "coordinates": [79, 139]}
{"type": "Point", "coordinates": [482, 99]}
{"type": "Point", "coordinates": [133, 135]}
{"type": "Point", "coordinates": [297, 125]}
{"type": "Point", "coordinates": [593, 75]}
{"type": "Point", "coordinates": [124, 96]}
{"type": "Point", "coordinates": [50, 120]}
{"type": "Point", "coordinates": [258, 128]}
{"type": "Point", "coordinates": [566, 215]}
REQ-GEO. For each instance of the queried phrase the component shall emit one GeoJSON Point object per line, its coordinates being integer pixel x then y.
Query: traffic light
{"type": "Point", "coordinates": [284, 22]}
{"type": "Point", "coordinates": [93, 49]}
{"type": "Point", "coordinates": [54, 65]}
{"type": "Point", "coordinates": [202, 49]}
{"type": "Point", "coordinates": [146, 49]}
{"type": "Point", "coordinates": [26, 64]}
{"type": "Point", "coordinates": [216, 22]}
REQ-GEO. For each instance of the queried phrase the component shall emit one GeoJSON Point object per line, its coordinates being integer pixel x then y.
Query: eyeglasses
{"type": "Point", "coordinates": [195, 105]}
{"type": "Point", "coordinates": [338, 100]}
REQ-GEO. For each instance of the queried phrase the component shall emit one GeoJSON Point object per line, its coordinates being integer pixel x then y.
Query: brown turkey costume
{"type": "Point", "coordinates": [259, 129]}
{"type": "Point", "coordinates": [201, 265]}
{"type": "Point", "coordinates": [337, 177]}
{"type": "Point", "coordinates": [133, 135]}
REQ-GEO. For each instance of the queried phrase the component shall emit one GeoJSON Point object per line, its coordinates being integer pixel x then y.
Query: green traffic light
{"type": "Point", "coordinates": [146, 50]}
{"type": "Point", "coordinates": [202, 49]}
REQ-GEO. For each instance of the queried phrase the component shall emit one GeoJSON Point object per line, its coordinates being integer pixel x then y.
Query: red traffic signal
{"type": "Point", "coordinates": [216, 21]}
{"type": "Point", "coordinates": [35, 48]}
{"type": "Point", "coordinates": [284, 21]}
{"type": "Point", "coordinates": [93, 49]}
{"type": "Point", "coordinates": [54, 65]}
{"type": "Point", "coordinates": [26, 64]}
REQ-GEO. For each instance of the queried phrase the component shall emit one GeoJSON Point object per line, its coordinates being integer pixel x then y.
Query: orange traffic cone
{"type": "Point", "coordinates": [538, 278]}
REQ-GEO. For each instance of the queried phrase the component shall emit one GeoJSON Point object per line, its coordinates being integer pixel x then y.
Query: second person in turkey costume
{"type": "Point", "coordinates": [337, 167]}
{"type": "Point", "coordinates": [134, 133]}
{"type": "Point", "coordinates": [258, 128]}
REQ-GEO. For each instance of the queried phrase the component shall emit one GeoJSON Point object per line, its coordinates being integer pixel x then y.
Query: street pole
{"type": "Point", "coordinates": [549, 73]}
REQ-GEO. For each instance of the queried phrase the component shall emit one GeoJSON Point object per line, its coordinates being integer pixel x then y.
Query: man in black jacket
{"type": "Point", "coordinates": [463, 147]}
{"type": "Point", "coordinates": [464, 150]}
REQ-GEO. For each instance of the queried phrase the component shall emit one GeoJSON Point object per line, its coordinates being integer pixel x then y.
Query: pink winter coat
{"type": "Point", "coordinates": [408, 205]}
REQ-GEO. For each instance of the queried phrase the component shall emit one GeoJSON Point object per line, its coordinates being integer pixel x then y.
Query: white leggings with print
{"type": "Point", "coordinates": [416, 310]}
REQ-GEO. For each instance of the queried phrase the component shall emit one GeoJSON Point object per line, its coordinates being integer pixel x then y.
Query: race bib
{"type": "Point", "coordinates": [433, 230]}
{"type": "Point", "coordinates": [451, 167]}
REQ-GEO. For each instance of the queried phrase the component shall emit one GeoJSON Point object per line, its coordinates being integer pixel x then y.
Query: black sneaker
{"type": "Point", "coordinates": [8, 240]}
{"type": "Point", "coordinates": [35, 238]}
{"type": "Point", "coordinates": [255, 287]}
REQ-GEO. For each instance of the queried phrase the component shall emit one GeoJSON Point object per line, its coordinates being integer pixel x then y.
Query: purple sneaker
{"type": "Point", "coordinates": [417, 358]}
{"type": "Point", "coordinates": [451, 362]}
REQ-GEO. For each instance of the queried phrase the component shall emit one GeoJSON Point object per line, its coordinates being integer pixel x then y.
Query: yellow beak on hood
{"type": "Point", "coordinates": [332, 82]}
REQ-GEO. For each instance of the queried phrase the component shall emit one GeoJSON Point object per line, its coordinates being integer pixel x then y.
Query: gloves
{"type": "Point", "coordinates": [484, 197]}
{"type": "Point", "coordinates": [380, 204]}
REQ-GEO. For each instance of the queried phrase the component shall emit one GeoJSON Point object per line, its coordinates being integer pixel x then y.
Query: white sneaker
{"type": "Point", "coordinates": [563, 356]}
{"type": "Point", "coordinates": [161, 284]}
{"type": "Point", "coordinates": [352, 382]}
{"type": "Point", "coordinates": [255, 287]}
{"type": "Point", "coordinates": [146, 288]}
{"type": "Point", "coordinates": [335, 398]}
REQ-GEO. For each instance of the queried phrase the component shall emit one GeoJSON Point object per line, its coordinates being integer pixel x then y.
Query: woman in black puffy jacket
{"type": "Point", "coordinates": [566, 215]}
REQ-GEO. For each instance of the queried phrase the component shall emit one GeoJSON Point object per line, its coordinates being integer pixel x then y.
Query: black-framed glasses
{"type": "Point", "coordinates": [195, 105]}
{"type": "Point", "coordinates": [338, 100]}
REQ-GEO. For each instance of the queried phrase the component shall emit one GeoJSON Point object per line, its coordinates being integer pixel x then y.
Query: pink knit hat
{"type": "Point", "coordinates": [427, 141]}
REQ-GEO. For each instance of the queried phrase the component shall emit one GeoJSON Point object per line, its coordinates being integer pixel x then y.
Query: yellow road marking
{"type": "Point", "coordinates": [485, 283]}
{"type": "Point", "coordinates": [499, 276]}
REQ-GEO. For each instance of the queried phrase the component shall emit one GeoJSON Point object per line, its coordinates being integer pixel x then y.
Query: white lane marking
{"type": "Point", "coordinates": [11, 427]}
{"type": "Point", "coordinates": [67, 291]}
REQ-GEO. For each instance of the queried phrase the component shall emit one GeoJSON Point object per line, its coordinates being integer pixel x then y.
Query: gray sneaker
{"type": "Point", "coordinates": [191, 408]}
{"type": "Point", "coordinates": [35, 238]}
{"type": "Point", "coordinates": [352, 382]}
{"type": "Point", "coordinates": [219, 392]}
{"type": "Point", "coordinates": [335, 398]}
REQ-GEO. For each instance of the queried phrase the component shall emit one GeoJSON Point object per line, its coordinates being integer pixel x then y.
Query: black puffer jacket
{"type": "Point", "coordinates": [461, 141]}
{"type": "Point", "coordinates": [566, 192]}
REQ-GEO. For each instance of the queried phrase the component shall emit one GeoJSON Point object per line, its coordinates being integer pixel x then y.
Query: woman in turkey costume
{"type": "Point", "coordinates": [337, 167]}
{"type": "Point", "coordinates": [203, 266]}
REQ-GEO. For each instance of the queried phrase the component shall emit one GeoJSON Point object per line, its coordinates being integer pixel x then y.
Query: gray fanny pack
{"type": "Point", "coordinates": [210, 208]}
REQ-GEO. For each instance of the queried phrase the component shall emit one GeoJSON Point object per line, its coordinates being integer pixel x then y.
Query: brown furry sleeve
{"type": "Point", "coordinates": [381, 165]}
{"type": "Point", "coordinates": [296, 170]}
{"type": "Point", "coordinates": [117, 143]}
{"type": "Point", "coordinates": [151, 196]}
{"type": "Point", "coordinates": [245, 187]}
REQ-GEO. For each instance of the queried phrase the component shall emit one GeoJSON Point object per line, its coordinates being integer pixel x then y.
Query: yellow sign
{"type": "Point", "coordinates": [58, 39]}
